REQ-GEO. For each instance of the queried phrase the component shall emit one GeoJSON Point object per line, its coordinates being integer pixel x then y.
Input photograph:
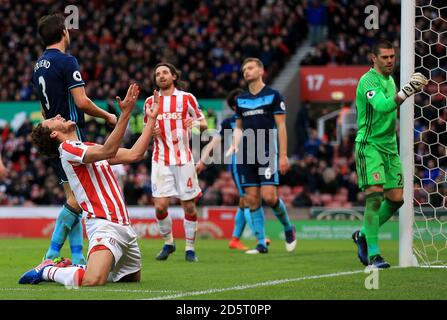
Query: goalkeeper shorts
{"type": "Point", "coordinates": [375, 167]}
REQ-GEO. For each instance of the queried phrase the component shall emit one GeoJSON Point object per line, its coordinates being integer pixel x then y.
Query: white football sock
{"type": "Point", "coordinates": [165, 227]}
{"type": "Point", "coordinates": [68, 276]}
{"type": "Point", "coordinates": [190, 233]}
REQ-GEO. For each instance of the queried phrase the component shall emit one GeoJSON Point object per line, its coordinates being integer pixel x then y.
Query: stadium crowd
{"type": "Point", "coordinates": [207, 40]}
{"type": "Point", "coordinates": [341, 37]}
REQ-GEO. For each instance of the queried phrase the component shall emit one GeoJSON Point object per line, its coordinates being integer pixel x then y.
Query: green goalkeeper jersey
{"type": "Point", "coordinates": [377, 111]}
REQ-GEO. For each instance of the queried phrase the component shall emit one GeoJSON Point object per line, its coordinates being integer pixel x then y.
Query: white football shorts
{"type": "Point", "coordinates": [120, 240]}
{"type": "Point", "coordinates": [175, 181]}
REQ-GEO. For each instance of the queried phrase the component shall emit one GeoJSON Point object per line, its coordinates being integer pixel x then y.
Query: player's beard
{"type": "Point", "coordinates": [70, 127]}
{"type": "Point", "coordinates": [387, 70]}
{"type": "Point", "coordinates": [166, 85]}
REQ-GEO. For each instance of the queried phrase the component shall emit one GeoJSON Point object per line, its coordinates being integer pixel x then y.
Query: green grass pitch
{"type": "Point", "coordinates": [317, 270]}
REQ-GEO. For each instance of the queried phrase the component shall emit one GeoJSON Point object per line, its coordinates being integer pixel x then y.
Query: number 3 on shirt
{"type": "Point", "coordinates": [44, 87]}
{"type": "Point", "coordinates": [189, 183]}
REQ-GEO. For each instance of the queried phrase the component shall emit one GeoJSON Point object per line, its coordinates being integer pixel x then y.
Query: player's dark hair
{"type": "Point", "coordinates": [381, 44]}
{"type": "Point", "coordinates": [231, 98]}
{"type": "Point", "coordinates": [51, 28]}
{"type": "Point", "coordinates": [251, 59]}
{"type": "Point", "coordinates": [179, 84]}
{"type": "Point", "coordinates": [46, 145]}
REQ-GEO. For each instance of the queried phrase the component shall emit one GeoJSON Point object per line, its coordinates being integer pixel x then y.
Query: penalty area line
{"type": "Point", "coordinates": [254, 285]}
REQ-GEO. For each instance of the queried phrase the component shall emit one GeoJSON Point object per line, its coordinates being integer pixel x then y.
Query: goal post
{"type": "Point", "coordinates": [406, 212]}
{"type": "Point", "coordinates": [423, 135]}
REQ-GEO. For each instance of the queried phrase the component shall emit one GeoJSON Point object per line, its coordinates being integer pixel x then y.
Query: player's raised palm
{"type": "Point", "coordinates": [129, 102]}
{"type": "Point", "coordinates": [152, 111]}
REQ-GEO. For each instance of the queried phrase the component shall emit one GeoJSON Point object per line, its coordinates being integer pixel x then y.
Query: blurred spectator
{"type": "Point", "coordinates": [211, 118]}
{"type": "Point", "coordinates": [301, 125]}
{"type": "Point", "coordinates": [316, 18]}
{"type": "Point", "coordinates": [312, 145]}
{"type": "Point", "coordinates": [303, 199]}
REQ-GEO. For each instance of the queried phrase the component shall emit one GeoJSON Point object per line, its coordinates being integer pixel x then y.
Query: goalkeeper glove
{"type": "Point", "coordinates": [417, 81]}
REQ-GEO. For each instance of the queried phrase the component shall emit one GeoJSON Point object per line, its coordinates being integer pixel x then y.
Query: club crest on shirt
{"type": "Point", "coordinates": [283, 105]}
{"type": "Point", "coordinates": [77, 76]}
{"type": "Point", "coordinates": [371, 94]}
{"type": "Point", "coordinates": [376, 176]}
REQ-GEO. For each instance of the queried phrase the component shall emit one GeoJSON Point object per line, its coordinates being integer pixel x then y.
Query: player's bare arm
{"type": "Point", "coordinates": [136, 153]}
{"type": "Point", "coordinates": [111, 146]}
{"type": "Point", "coordinates": [283, 162]}
{"type": "Point", "coordinates": [237, 136]}
{"type": "Point", "coordinates": [89, 107]}
{"type": "Point", "coordinates": [201, 124]}
{"type": "Point", "coordinates": [200, 166]}
{"type": "Point", "coordinates": [3, 171]}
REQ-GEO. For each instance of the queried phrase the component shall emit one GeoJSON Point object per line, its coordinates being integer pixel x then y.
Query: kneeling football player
{"type": "Point", "coordinates": [113, 253]}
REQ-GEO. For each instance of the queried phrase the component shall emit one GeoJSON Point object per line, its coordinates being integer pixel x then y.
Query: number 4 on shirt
{"type": "Point", "coordinates": [189, 183]}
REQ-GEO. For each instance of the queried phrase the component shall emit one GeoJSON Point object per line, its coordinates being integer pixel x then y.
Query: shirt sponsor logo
{"type": "Point", "coordinates": [253, 112]}
{"type": "Point", "coordinates": [170, 116]}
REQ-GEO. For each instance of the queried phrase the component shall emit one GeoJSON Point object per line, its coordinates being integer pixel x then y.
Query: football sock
{"type": "Point", "coordinates": [280, 211]}
{"type": "Point", "coordinates": [257, 216]}
{"type": "Point", "coordinates": [371, 222]}
{"type": "Point", "coordinates": [69, 276]}
{"type": "Point", "coordinates": [64, 222]}
{"type": "Point", "coordinates": [239, 223]}
{"type": "Point", "coordinates": [165, 225]}
{"type": "Point", "coordinates": [386, 211]}
{"type": "Point", "coordinates": [75, 238]}
{"type": "Point", "coordinates": [249, 220]}
{"type": "Point", "coordinates": [190, 225]}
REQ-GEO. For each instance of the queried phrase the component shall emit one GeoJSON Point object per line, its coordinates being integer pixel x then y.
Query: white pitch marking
{"type": "Point", "coordinates": [254, 285]}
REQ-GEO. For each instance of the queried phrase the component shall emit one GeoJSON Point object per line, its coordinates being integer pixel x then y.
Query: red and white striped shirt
{"type": "Point", "coordinates": [172, 146]}
{"type": "Point", "coordinates": [94, 185]}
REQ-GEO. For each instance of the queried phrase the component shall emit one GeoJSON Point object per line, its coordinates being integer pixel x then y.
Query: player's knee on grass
{"type": "Point", "coordinates": [133, 277]}
{"type": "Point", "coordinates": [98, 268]}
